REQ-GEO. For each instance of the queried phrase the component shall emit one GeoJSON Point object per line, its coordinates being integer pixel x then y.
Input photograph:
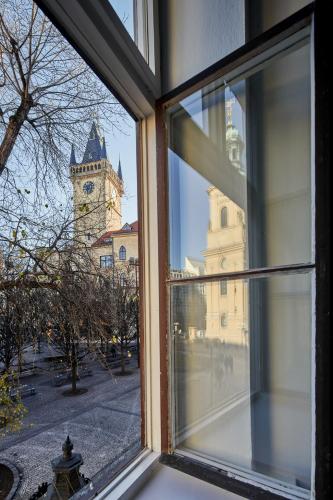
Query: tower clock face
{"type": "Point", "coordinates": [88, 187]}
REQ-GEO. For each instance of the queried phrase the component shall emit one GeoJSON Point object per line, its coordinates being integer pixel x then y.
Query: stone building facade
{"type": "Point", "coordinates": [97, 202]}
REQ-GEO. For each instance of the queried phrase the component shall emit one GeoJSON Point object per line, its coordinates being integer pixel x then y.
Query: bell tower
{"type": "Point", "coordinates": [97, 190]}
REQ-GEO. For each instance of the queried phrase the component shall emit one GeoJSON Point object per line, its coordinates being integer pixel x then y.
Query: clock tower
{"type": "Point", "coordinates": [97, 190]}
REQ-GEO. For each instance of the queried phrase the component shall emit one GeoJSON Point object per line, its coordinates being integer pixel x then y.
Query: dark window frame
{"type": "Point", "coordinates": [316, 12]}
{"type": "Point", "coordinates": [105, 259]}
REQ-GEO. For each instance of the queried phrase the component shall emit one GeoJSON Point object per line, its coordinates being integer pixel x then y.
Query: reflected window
{"type": "Point", "coordinates": [224, 320]}
{"type": "Point", "coordinates": [224, 217]}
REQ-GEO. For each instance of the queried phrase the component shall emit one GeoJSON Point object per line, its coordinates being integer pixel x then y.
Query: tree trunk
{"type": "Point", "coordinates": [73, 368]}
{"type": "Point", "coordinates": [122, 358]}
{"type": "Point", "coordinates": [13, 129]}
{"type": "Point", "coordinates": [20, 360]}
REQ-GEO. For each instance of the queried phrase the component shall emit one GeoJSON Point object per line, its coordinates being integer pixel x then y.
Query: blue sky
{"type": "Point", "coordinates": [124, 145]}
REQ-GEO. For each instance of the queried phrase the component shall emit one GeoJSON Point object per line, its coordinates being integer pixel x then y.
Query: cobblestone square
{"type": "Point", "coordinates": [103, 424]}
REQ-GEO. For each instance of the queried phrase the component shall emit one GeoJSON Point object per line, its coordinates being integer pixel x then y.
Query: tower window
{"type": "Point", "coordinates": [122, 253]}
{"type": "Point", "coordinates": [106, 261]}
{"type": "Point", "coordinates": [224, 217]}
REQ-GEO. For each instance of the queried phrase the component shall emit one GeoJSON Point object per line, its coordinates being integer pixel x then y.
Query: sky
{"type": "Point", "coordinates": [123, 145]}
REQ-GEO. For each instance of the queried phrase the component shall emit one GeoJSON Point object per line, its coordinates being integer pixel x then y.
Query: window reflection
{"type": "Point", "coordinates": [243, 154]}
{"type": "Point", "coordinates": [242, 378]}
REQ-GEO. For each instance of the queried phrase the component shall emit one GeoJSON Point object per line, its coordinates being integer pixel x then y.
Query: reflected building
{"type": "Point", "coordinates": [227, 301]}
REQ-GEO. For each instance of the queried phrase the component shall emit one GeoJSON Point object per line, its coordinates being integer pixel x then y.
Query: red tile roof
{"type": "Point", "coordinates": [126, 229]}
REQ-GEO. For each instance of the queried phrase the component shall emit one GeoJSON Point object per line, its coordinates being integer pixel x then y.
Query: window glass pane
{"type": "Point", "coordinates": [125, 11]}
{"type": "Point", "coordinates": [239, 171]}
{"type": "Point", "coordinates": [137, 18]}
{"type": "Point", "coordinates": [242, 374]}
{"type": "Point", "coordinates": [69, 344]}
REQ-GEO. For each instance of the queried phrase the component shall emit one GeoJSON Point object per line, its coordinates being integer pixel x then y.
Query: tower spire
{"type": "Point", "coordinates": [72, 160]}
{"type": "Point", "coordinates": [120, 174]}
{"type": "Point", "coordinates": [93, 151]}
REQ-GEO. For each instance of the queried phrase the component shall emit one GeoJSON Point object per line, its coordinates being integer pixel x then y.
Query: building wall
{"type": "Point", "coordinates": [129, 241]}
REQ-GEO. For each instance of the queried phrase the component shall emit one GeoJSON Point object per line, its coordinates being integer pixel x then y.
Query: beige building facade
{"type": "Point", "coordinates": [227, 300]}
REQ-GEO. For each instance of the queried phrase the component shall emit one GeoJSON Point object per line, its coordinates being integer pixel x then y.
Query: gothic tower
{"type": "Point", "coordinates": [97, 190]}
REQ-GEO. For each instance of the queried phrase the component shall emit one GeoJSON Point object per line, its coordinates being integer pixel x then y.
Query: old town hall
{"type": "Point", "coordinates": [97, 196]}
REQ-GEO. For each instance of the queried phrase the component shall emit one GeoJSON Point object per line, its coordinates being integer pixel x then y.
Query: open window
{"type": "Point", "coordinates": [233, 295]}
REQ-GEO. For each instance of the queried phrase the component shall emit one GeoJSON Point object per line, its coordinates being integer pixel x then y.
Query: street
{"type": "Point", "coordinates": [103, 424]}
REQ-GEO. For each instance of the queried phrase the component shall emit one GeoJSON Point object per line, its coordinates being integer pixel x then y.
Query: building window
{"type": "Point", "coordinates": [224, 217]}
{"type": "Point", "coordinates": [224, 320]}
{"type": "Point", "coordinates": [122, 253]}
{"type": "Point", "coordinates": [223, 287]}
{"type": "Point", "coordinates": [106, 261]}
{"type": "Point", "coordinates": [122, 279]}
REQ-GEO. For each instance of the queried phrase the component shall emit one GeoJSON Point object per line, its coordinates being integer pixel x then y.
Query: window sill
{"type": "Point", "coordinates": [131, 478]}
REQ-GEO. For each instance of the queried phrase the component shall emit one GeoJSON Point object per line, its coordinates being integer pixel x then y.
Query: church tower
{"type": "Point", "coordinates": [97, 190]}
{"type": "Point", "coordinates": [227, 314]}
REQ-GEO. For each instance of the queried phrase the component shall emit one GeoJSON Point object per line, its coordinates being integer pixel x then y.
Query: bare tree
{"type": "Point", "coordinates": [123, 308]}
{"type": "Point", "coordinates": [48, 94]}
{"type": "Point", "coordinates": [15, 326]}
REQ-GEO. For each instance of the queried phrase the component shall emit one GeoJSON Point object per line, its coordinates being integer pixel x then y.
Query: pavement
{"type": "Point", "coordinates": [103, 424]}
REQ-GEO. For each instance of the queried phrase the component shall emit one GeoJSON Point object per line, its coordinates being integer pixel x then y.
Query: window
{"type": "Point", "coordinates": [73, 336]}
{"type": "Point", "coordinates": [224, 217]}
{"type": "Point", "coordinates": [223, 287]}
{"type": "Point", "coordinates": [106, 261]}
{"type": "Point", "coordinates": [123, 279]}
{"type": "Point", "coordinates": [224, 320]}
{"type": "Point", "coordinates": [122, 253]}
{"type": "Point", "coordinates": [265, 347]}
{"type": "Point", "coordinates": [189, 238]}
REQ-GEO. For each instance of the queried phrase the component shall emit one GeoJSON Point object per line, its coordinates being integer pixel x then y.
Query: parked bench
{"type": "Point", "coordinates": [22, 391]}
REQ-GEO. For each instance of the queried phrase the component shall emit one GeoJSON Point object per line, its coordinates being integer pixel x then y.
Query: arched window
{"type": "Point", "coordinates": [224, 320]}
{"type": "Point", "coordinates": [122, 253]}
{"type": "Point", "coordinates": [224, 217]}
